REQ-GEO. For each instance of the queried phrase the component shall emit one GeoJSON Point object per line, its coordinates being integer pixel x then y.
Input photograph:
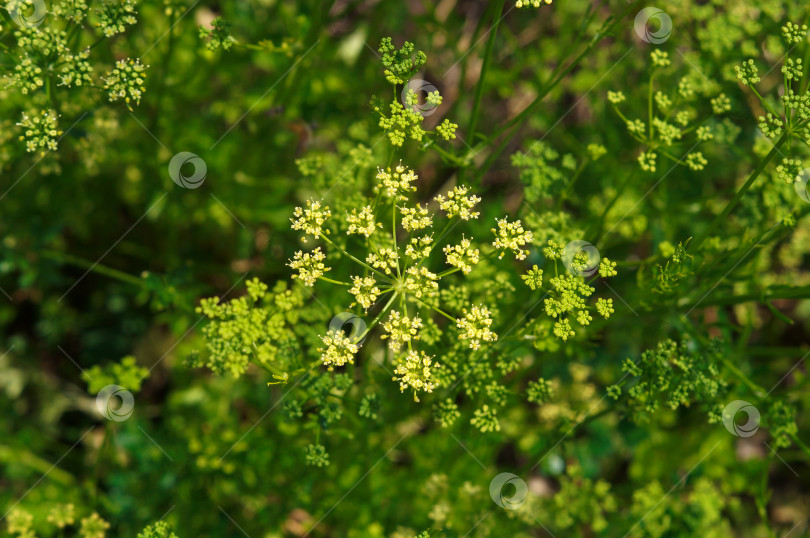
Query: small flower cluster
{"type": "Point", "coordinates": [219, 35]}
{"type": "Point", "coordinates": [77, 70]}
{"type": "Point", "coordinates": [660, 133]}
{"type": "Point", "coordinates": [21, 523]}
{"type": "Point", "coordinates": [462, 256]}
{"type": "Point", "coordinates": [568, 292]}
{"type": "Point", "coordinates": [531, 3]}
{"type": "Point", "coordinates": [673, 374]}
{"type": "Point", "coordinates": [791, 121]}
{"type": "Point", "coordinates": [126, 81]}
{"type": "Point", "coordinates": [316, 455]}
{"type": "Point", "coordinates": [40, 132]}
{"type": "Point", "coordinates": [395, 269]}
{"type": "Point", "coordinates": [475, 326]}
{"type": "Point", "coordinates": [400, 65]}
{"type": "Point", "coordinates": [311, 219]}
{"type": "Point", "coordinates": [511, 236]}
{"type": "Point", "coordinates": [74, 11]}
{"type": "Point", "coordinates": [126, 373]}
{"type": "Point", "coordinates": [115, 15]}
{"type": "Point", "coordinates": [415, 371]}
{"type": "Point", "coordinates": [27, 76]}
{"type": "Point", "coordinates": [402, 121]}
{"type": "Point", "coordinates": [457, 203]}
{"type": "Point", "coordinates": [309, 265]}
{"type": "Point", "coordinates": [339, 350]}
{"type": "Point", "coordinates": [55, 55]}
{"type": "Point", "coordinates": [252, 328]}
{"type": "Point", "coordinates": [159, 529]}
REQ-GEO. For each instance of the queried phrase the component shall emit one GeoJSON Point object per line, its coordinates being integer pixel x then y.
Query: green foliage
{"type": "Point", "coordinates": [160, 529]}
{"type": "Point", "coordinates": [674, 375]}
{"type": "Point", "coordinates": [563, 248]}
{"type": "Point", "coordinates": [127, 374]}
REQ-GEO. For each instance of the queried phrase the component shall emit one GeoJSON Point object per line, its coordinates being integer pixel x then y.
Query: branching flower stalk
{"type": "Point", "coordinates": [667, 125]}
{"type": "Point", "coordinates": [397, 262]}
{"type": "Point", "coordinates": [789, 127]}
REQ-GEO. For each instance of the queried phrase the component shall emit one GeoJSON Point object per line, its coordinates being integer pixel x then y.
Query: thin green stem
{"type": "Point", "coordinates": [448, 272]}
{"type": "Point", "coordinates": [759, 391]}
{"type": "Point", "coordinates": [802, 292]}
{"type": "Point", "coordinates": [578, 172]}
{"type": "Point", "coordinates": [714, 226]}
{"type": "Point", "coordinates": [650, 103]}
{"type": "Point", "coordinates": [435, 309]}
{"type": "Point", "coordinates": [334, 281]}
{"type": "Point", "coordinates": [380, 315]}
{"type": "Point", "coordinates": [394, 232]}
{"type": "Point", "coordinates": [479, 88]}
{"type": "Point", "coordinates": [804, 448]}
{"type": "Point", "coordinates": [364, 264]}
{"type": "Point", "coordinates": [94, 267]}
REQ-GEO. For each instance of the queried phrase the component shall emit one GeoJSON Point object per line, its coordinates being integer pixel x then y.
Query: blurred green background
{"type": "Point", "coordinates": [105, 257]}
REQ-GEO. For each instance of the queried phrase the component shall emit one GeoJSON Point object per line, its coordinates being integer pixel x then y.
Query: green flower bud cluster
{"type": "Point", "coordinates": [567, 293]}
{"type": "Point", "coordinates": [316, 455]}
{"type": "Point", "coordinates": [74, 11]}
{"type": "Point", "coordinates": [403, 120]}
{"type": "Point", "coordinates": [126, 373]}
{"type": "Point", "coordinates": [400, 65]}
{"type": "Point", "coordinates": [541, 176]}
{"type": "Point", "coordinates": [77, 70]}
{"type": "Point", "coordinates": [219, 35]}
{"type": "Point", "coordinates": [486, 419]}
{"type": "Point", "coordinates": [256, 327]}
{"type": "Point", "coordinates": [671, 374]}
{"type": "Point", "coordinates": [20, 522]}
{"type": "Point", "coordinates": [159, 529]}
